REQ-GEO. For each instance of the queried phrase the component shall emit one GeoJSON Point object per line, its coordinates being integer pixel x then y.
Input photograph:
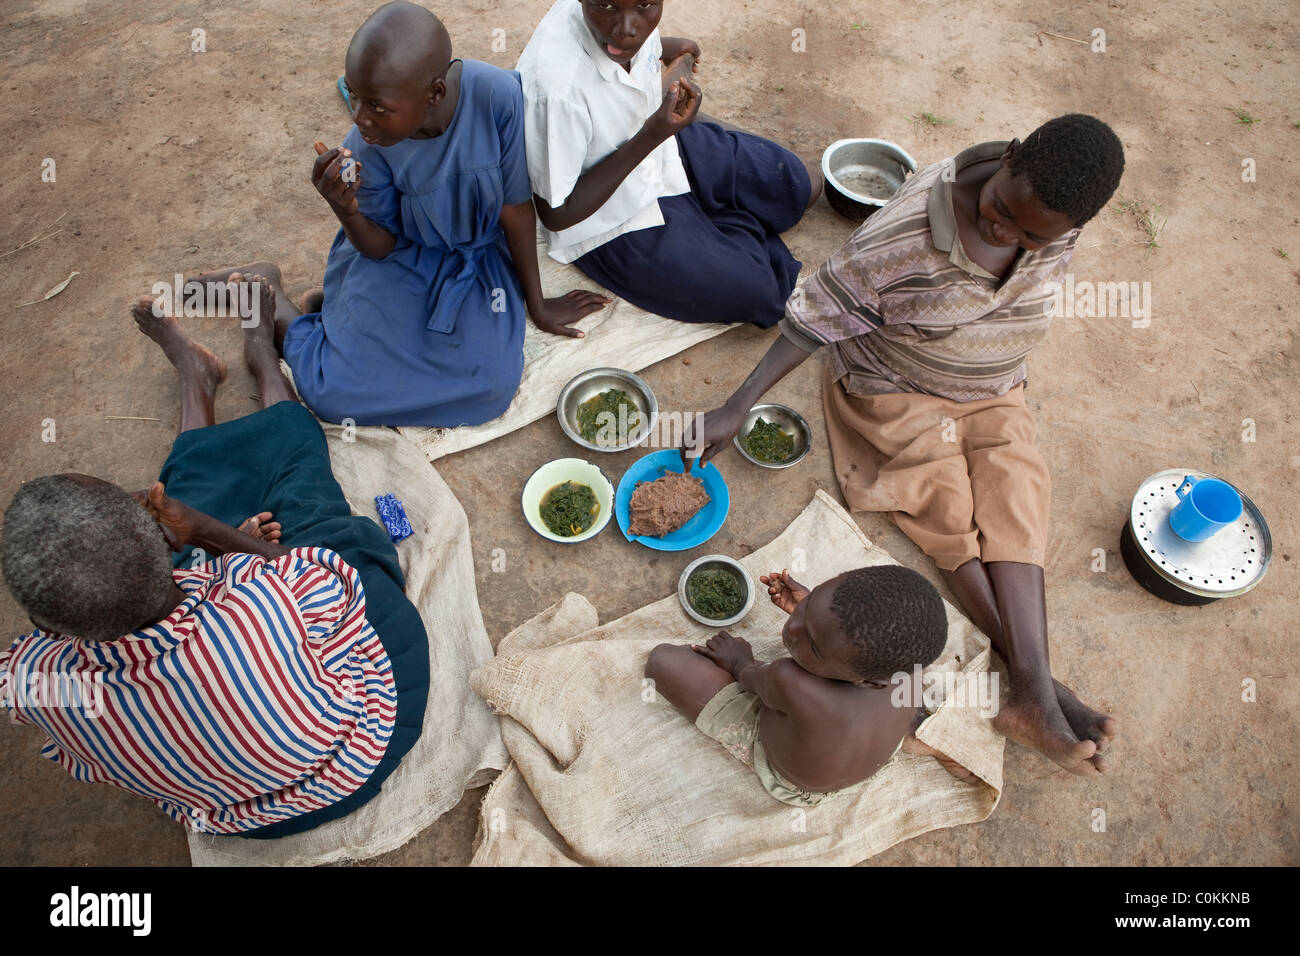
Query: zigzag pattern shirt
{"type": "Point", "coordinates": [905, 310]}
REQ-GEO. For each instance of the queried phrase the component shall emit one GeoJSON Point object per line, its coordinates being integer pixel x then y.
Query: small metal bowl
{"type": "Point", "coordinates": [790, 421]}
{"type": "Point", "coordinates": [587, 385]}
{"type": "Point", "coordinates": [708, 562]}
{"type": "Point", "coordinates": [852, 166]}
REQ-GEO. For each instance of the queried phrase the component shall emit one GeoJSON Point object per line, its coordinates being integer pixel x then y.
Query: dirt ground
{"type": "Point", "coordinates": [169, 160]}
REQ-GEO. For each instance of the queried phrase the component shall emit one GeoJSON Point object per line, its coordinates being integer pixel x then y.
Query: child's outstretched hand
{"type": "Point", "coordinates": [558, 314]}
{"type": "Point", "coordinates": [337, 177]}
{"type": "Point", "coordinates": [727, 651]}
{"type": "Point", "coordinates": [784, 590]}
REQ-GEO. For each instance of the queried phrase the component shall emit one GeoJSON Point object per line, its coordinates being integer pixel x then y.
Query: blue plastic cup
{"type": "Point", "coordinates": [1206, 505]}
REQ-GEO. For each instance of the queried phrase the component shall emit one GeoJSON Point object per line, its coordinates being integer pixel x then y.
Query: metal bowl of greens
{"type": "Point", "coordinates": [774, 436]}
{"type": "Point", "coordinates": [716, 590]}
{"type": "Point", "coordinates": [607, 409]}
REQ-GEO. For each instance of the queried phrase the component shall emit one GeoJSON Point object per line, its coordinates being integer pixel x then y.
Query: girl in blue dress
{"type": "Point", "coordinates": [421, 319]}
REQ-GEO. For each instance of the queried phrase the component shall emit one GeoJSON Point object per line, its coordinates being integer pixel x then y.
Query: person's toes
{"type": "Point", "coordinates": [1110, 728]}
{"type": "Point", "coordinates": [1077, 758]}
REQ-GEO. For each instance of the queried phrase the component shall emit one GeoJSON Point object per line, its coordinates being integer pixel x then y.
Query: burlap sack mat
{"type": "Point", "coordinates": [605, 773]}
{"type": "Point", "coordinates": [460, 746]}
{"type": "Point", "coordinates": [619, 336]}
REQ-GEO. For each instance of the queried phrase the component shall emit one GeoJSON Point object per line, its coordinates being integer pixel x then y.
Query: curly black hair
{"type": "Point", "coordinates": [84, 561]}
{"type": "Point", "coordinates": [1073, 163]}
{"type": "Point", "coordinates": [893, 616]}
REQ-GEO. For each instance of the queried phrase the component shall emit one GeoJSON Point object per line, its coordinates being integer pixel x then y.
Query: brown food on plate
{"type": "Point", "coordinates": [662, 506]}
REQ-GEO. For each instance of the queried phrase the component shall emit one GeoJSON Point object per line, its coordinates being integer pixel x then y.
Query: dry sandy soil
{"type": "Point", "coordinates": [170, 161]}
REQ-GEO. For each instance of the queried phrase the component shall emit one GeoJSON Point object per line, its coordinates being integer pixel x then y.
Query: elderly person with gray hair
{"type": "Point", "coordinates": [266, 679]}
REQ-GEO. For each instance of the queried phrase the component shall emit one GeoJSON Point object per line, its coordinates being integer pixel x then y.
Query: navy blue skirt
{"type": "Point", "coordinates": [276, 460]}
{"type": "Point", "coordinates": [719, 255]}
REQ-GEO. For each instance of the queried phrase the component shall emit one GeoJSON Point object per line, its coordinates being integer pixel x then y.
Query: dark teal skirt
{"type": "Point", "coordinates": [276, 460]}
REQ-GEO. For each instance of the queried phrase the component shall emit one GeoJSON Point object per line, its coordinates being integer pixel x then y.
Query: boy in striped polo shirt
{"type": "Point", "coordinates": [263, 692]}
{"type": "Point", "coordinates": [929, 311]}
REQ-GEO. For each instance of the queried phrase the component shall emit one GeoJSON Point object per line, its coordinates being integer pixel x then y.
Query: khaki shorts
{"type": "Point", "coordinates": [731, 718]}
{"type": "Point", "coordinates": [961, 479]}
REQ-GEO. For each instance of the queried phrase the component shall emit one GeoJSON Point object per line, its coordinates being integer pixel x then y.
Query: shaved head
{"type": "Point", "coordinates": [400, 43]}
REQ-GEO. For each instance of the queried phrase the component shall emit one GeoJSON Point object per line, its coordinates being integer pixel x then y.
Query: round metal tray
{"type": "Point", "coordinates": [1230, 563]}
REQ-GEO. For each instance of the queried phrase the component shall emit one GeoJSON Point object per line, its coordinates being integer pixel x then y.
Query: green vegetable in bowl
{"type": "Point", "coordinates": [569, 509]}
{"type": "Point", "coordinates": [768, 442]}
{"type": "Point", "coordinates": [715, 593]}
{"type": "Point", "coordinates": [594, 427]}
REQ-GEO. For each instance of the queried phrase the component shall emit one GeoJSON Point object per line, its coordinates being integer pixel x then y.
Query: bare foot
{"type": "Point", "coordinates": [1045, 729]}
{"type": "Point", "coordinates": [312, 300]}
{"type": "Point", "coordinates": [197, 365]}
{"type": "Point", "coordinates": [268, 269]}
{"type": "Point", "coordinates": [261, 527]}
{"type": "Point", "coordinates": [222, 278]}
{"type": "Point", "coordinates": [1087, 724]}
{"type": "Point", "coordinates": [259, 336]}
{"type": "Point", "coordinates": [260, 350]}
{"type": "Point", "coordinates": [912, 745]}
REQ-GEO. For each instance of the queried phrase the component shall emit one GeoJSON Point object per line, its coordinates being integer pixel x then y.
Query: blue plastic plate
{"type": "Point", "coordinates": [695, 532]}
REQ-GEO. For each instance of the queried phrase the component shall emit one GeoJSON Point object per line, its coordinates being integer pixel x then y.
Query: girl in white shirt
{"type": "Point", "coordinates": [678, 216]}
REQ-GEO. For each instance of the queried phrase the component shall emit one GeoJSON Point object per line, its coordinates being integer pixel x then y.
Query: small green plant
{"type": "Point", "coordinates": [1282, 254]}
{"type": "Point", "coordinates": [1147, 219]}
{"type": "Point", "coordinates": [930, 119]}
{"type": "Point", "coordinates": [1242, 116]}
{"type": "Point", "coordinates": [861, 26]}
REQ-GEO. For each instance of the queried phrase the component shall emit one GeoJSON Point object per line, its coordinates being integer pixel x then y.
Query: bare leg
{"type": "Point", "coordinates": [971, 586]}
{"type": "Point", "coordinates": [1042, 713]}
{"type": "Point", "coordinates": [818, 182]}
{"type": "Point", "coordinates": [260, 350]}
{"type": "Point", "coordinates": [687, 679]}
{"type": "Point", "coordinates": [200, 371]}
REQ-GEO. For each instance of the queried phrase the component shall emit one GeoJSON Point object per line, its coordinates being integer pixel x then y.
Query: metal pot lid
{"type": "Point", "coordinates": [1230, 563]}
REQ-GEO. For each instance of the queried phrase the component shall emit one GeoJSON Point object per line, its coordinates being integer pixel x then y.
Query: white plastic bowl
{"type": "Point", "coordinates": [557, 473]}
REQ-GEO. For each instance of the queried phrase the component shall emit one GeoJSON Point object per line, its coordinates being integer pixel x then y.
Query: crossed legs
{"type": "Point", "coordinates": [201, 371]}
